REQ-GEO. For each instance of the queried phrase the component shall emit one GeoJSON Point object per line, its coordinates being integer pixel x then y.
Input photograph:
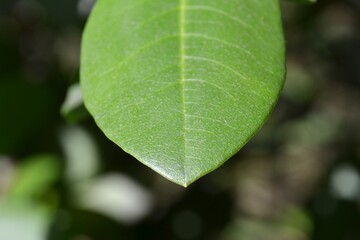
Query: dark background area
{"type": "Point", "coordinates": [62, 179]}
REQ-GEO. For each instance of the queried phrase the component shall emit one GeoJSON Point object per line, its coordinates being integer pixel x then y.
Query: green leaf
{"type": "Point", "coordinates": [182, 85]}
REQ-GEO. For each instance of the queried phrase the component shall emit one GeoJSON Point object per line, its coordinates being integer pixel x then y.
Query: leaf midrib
{"type": "Point", "coordinates": [182, 29]}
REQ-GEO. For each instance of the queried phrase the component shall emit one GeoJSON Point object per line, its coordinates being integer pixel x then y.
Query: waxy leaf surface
{"type": "Point", "coordinates": [182, 85]}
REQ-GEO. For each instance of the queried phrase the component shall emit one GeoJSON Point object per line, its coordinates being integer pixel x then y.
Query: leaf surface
{"type": "Point", "coordinates": [182, 85]}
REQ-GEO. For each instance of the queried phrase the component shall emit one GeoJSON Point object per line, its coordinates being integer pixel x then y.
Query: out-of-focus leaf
{"type": "Point", "coordinates": [182, 85]}
{"type": "Point", "coordinates": [73, 108]}
{"type": "Point", "coordinates": [24, 220]}
{"type": "Point", "coordinates": [22, 216]}
{"type": "Point", "coordinates": [34, 176]}
{"type": "Point", "coordinates": [300, 86]}
{"type": "Point", "coordinates": [81, 154]}
{"type": "Point", "coordinates": [345, 182]}
{"type": "Point", "coordinates": [7, 170]}
{"type": "Point", "coordinates": [298, 219]}
{"type": "Point", "coordinates": [84, 7]}
{"type": "Point", "coordinates": [115, 196]}
{"type": "Point", "coordinates": [314, 130]}
{"type": "Point", "coordinates": [246, 229]}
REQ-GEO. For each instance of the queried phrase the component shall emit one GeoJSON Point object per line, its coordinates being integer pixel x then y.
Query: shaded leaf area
{"type": "Point", "coordinates": [298, 179]}
{"type": "Point", "coordinates": [182, 85]}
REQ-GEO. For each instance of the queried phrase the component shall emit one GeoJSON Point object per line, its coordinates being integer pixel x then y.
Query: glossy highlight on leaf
{"type": "Point", "coordinates": [182, 85]}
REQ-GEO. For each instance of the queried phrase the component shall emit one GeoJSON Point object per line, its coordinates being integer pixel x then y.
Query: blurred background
{"type": "Point", "coordinates": [61, 179]}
